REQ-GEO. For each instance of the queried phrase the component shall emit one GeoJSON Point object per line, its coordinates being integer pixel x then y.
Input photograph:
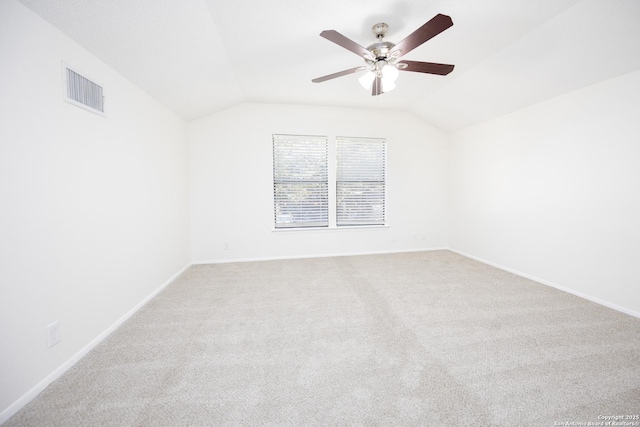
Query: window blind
{"type": "Point", "coordinates": [360, 181]}
{"type": "Point", "coordinates": [300, 181]}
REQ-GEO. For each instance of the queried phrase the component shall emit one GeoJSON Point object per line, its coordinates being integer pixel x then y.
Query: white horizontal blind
{"type": "Point", "coordinates": [360, 183]}
{"type": "Point", "coordinates": [300, 181]}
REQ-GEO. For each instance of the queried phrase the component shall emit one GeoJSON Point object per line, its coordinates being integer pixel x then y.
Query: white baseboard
{"type": "Point", "coordinates": [553, 285]}
{"type": "Point", "coordinates": [276, 258]}
{"type": "Point", "coordinates": [12, 409]}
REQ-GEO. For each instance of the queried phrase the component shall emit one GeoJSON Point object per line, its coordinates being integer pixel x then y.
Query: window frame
{"type": "Point", "coordinates": [370, 172]}
{"type": "Point", "coordinates": [331, 208]}
{"type": "Point", "coordinates": [304, 179]}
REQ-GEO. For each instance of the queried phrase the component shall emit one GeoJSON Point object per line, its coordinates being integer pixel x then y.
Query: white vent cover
{"type": "Point", "coordinates": [80, 91]}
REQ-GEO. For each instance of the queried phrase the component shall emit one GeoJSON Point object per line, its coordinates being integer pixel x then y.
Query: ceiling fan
{"type": "Point", "coordinates": [383, 57]}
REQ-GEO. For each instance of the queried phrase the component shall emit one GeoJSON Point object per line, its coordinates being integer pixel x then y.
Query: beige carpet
{"type": "Point", "coordinates": [428, 338]}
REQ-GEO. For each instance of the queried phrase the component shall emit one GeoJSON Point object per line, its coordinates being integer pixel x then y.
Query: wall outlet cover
{"type": "Point", "coordinates": [53, 334]}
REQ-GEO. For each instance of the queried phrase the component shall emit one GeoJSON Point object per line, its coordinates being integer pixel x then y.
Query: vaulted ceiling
{"type": "Point", "coordinates": [200, 56]}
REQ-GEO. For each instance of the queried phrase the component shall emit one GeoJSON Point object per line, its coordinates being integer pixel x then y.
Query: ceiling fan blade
{"type": "Point", "coordinates": [426, 67]}
{"type": "Point", "coordinates": [339, 39]}
{"type": "Point", "coordinates": [376, 87]}
{"type": "Point", "coordinates": [432, 28]}
{"type": "Point", "coordinates": [338, 74]}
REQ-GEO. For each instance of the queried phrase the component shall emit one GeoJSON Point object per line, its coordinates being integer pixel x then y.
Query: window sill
{"type": "Point", "coordinates": [329, 229]}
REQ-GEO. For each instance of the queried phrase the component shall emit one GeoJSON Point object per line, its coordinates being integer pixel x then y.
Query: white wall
{"type": "Point", "coordinates": [553, 192]}
{"type": "Point", "coordinates": [94, 211]}
{"type": "Point", "coordinates": [231, 182]}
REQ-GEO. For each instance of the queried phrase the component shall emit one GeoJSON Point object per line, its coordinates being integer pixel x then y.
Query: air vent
{"type": "Point", "coordinates": [80, 91]}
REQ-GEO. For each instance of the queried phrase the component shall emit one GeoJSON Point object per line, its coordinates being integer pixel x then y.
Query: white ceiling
{"type": "Point", "coordinates": [200, 56]}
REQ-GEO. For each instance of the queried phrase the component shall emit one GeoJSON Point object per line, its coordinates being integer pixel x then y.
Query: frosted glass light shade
{"type": "Point", "coordinates": [366, 80]}
{"type": "Point", "coordinates": [389, 77]}
{"type": "Point", "coordinates": [389, 72]}
{"type": "Point", "coordinates": [388, 85]}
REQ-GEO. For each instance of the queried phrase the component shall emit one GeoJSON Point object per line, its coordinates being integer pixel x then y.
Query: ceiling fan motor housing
{"type": "Point", "coordinates": [380, 50]}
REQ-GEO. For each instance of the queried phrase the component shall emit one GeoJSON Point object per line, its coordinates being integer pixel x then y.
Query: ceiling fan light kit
{"type": "Point", "coordinates": [383, 57]}
{"type": "Point", "coordinates": [387, 73]}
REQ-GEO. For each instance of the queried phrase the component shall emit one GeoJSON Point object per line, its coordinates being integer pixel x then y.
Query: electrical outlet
{"type": "Point", "coordinates": [53, 334]}
{"type": "Point", "coordinates": [226, 246]}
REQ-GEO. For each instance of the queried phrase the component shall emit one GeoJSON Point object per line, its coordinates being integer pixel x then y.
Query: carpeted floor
{"type": "Point", "coordinates": [427, 338]}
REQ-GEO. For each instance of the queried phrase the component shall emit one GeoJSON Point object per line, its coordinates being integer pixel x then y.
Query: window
{"type": "Point", "coordinates": [300, 181]}
{"type": "Point", "coordinates": [360, 183]}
